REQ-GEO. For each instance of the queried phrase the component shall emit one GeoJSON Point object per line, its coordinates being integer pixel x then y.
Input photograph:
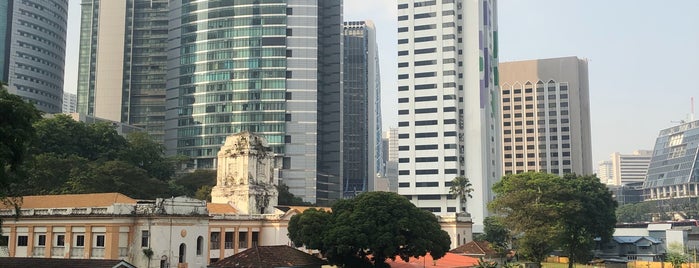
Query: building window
{"type": "Point", "coordinates": [144, 238]}
{"type": "Point", "coordinates": [215, 239]}
{"type": "Point", "coordinates": [243, 240]}
{"type": "Point", "coordinates": [60, 240]}
{"type": "Point", "coordinates": [99, 241]}
{"type": "Point", "coordinates": [22, 240]}
{"type": "Point", "coordinates": [80, 240]}
{"type": "Point", "coordinates": [200, 245]}
{"type": "Point", "coordinates": [183, 253]}
{"type": "Point", "coordinates": [41, 240]}
{"type": "Point", "coordinates": [228, 244]}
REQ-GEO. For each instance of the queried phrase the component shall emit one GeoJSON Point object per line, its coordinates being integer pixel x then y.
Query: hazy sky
{"type": "Point", "coordinates": [643, 55]}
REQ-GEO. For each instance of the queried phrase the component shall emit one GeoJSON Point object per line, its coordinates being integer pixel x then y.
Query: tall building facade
{"type": "Point", "coordinates": [362, 135]}
{"type": "Point", "coordinates": [70, 103]}
{"type": "Point", "coordinates": [390, 154]}
{"type": "Point", "coordinates": [448, 103]}
{"type": "Point", "coordinates": [122, 62]}
{"type": "Point", "coordinates": [630, 168]}
{"type": "Point", "coordinates": [272, 67]}
{"type": "Point", "coordinates": [673, 172]}
{"type": "Point", "coordinates": [546, 116]}
{"type": "Point", "coordinates": [604, 172]}
{"type": "Point", "coordinates": [32, 50]}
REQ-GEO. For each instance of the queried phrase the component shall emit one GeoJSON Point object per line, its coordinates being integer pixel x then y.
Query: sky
{"type": "Point", "coordinates": [643, 55]}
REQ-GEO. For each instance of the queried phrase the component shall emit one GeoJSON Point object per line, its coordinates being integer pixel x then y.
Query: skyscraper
{"type": "Point", "coordinates": [604, 172]}
{"type": "Point", "coordinates": [362, 142]}
{"type": "Point", "coordinates": [448, 103]}
{"type": "Point", "coordinates": [630, 168]}
{"type": "Point", "coordinates": [673, 172]}
{"type": "Point", "coordinates": [272, 67]}
{"type": "Point", "coordinates": [70, 103]}
{"type": "Point", "coordinates": [546, 116]}
{"type": "Point", "coordinates": [32, 50]}
{"type": "Point", "coordinates": [121, 69]}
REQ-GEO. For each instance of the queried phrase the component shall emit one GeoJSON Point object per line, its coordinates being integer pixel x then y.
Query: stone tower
{"type": "Point", "coordinates": [245, 175]}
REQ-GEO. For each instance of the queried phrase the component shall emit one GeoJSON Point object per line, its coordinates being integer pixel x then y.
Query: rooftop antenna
{"type": "Point", "coordinates": [691, 114]}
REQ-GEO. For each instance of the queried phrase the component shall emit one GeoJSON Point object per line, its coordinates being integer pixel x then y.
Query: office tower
{"type": "Point", "coordinates": [546, 116]}
{"type": "Point", "coordinates": [390, 153]}
{"type": "Point", "coordinates": [630, 168]}
{"type": "Point", "coordinates": [32, 50]}
{"type": "Point", "coordinates": [270, 67]}
{"type": "Point", "coordinates": [447, 103]}
{"type": "Point", "coordinates": [604, 172]}
{"type": "Point", "coordinates": [122, 61]}
{"type": "Point", "coordinates": [672, 172]}
{"type": "Point", "coordinates": [361, 142]}
{"type": "Point", "coordinates": [70, 103]}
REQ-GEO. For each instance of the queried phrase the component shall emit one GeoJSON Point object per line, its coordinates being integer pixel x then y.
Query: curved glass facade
{"type": "Point", "coordinates": [33, 54]}
{"type": "Point", "coordinates": [231, 75]}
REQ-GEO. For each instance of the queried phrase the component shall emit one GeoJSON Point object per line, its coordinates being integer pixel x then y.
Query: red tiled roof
{"type": "Point", "coordinates": [270, 257]}
{"type": "Point", "coordinates": [73, 200]}
{"type": "Point", "coordinates": [215, 208]}
{"type": "Point", "coordinates": [450, 260]}
{"type": "Point", "coordinates": [53, 263]}
{"type": "Point", "coordinates": [475, 248]}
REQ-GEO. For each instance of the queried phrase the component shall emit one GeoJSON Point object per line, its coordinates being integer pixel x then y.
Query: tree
{"type": "Point", "coordinates": [16, 134]}
{"type": "Point", "coordinates": [495, 232]}
{"type": "Point", "coordinates": [64, 136]}
{"type": "Point", "coordinates": [461, 188]}
{"type": "Point", "coordinates": [289, 199]}
{"type": "Point", "coordinates": [551, 211]}
{"type": "Point", "coordinates": [144, 152]}
{"type": "Point", "coordinates": [369, 229]}
{"type": "Point", "coordinates": [676, 255]}
{"type": "Point", "coordinates": [637, 212]}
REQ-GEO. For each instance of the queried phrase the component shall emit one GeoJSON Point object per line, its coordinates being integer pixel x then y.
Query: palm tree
{"type": "Point", "coordinates": [461, 187]}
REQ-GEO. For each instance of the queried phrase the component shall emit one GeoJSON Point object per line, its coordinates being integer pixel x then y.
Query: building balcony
{"type": "Point", "coordinates": [228, 245]}
{"type": "Point", "coordinates": [57, 252]}
{"type": "Point", "coordinates": [97, 253]}
{"type": "Point", "coordinates": [39, 251]}
{"type": "Point", "coordinates": [77, 253]}
{"type": "Point", "coordinates": [215, 245]}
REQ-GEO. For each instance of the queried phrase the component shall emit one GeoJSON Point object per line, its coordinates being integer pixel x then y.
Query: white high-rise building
{"type": "Point", "coordinates": [70, 103]}
{"type": "Point", "coordinates": [630, 168]}
{"type": "Point", "coordinates": [604, 172]}
{"type": "Point", "coordinates": [448, 113]}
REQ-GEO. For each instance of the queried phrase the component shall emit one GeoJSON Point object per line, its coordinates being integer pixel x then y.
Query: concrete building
{"type": "Point", "coordinates": [70, 103]}
{"type": "Point", "coordinates": [122, 62]}
{"type": "Point", "coordinates": [448, 103]}
{"type": "Point", "coordinates": [32, 50]}
{"type": "Point", "coordinates": [672, 172]}
{"type": "Point", "coordinates": [630, 168]}
{"type": "Point", "coordinates": [270, 67]}
{"type": "Point", "coordinates": [390, 153]}
{"type": "Point", "coordinates": [361, 142]}
{"type": "Point", "coordinates": [605, 172]}
{"type": "Point", "coordinates": [546, 116]}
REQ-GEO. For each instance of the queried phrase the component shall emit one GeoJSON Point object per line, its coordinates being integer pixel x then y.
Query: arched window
{"type": "Point", "coordinates": [458, 238]}
{"type": "Point", "coordinates": [200, 245]}
{"type": "Point", "coordinates": [183, 253]}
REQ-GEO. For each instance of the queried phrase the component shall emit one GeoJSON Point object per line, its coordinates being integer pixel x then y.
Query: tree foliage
{"type": "Point", "coordinates": [461, 188]}
{"type": "Point", "coordinates": [369, 229]}
{"type": "Point", "coordinates": [289, 199]}
{"type": "Point", "coordinates": [495, 232]}
{"type": "Point", "coordinates": [16, 134]}
{"type": "Point", "coordinates": [566, 212]}
{"type": "Point", "coordinates": [676, 255]}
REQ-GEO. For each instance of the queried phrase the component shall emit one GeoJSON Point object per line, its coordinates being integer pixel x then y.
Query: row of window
{"type": "Point", "coordinates": [426, 147]}
{"type": "Point", "coordinates": [540, 88]}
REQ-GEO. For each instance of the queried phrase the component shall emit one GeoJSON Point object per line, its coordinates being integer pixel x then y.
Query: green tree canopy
{"type": "Point", "coordinates": [64, 136]}
{"type": "Point", "coordinates": [289, 199]}
{"type": "Point", "coordinates": [495, 232]}
{"type": "Point", "coordinates": [550, 211]}
{"type": "Point", "coordinates": [143, 152]}
{"type": "Point", "coordinates": [16, 134]}
{"type": "Point", "coordinates": [369, 229]}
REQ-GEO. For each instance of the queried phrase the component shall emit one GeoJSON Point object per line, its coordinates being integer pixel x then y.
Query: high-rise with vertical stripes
{"type": "Point", "coordinates": [32, 50]}
{"type": "Point", "coordinates": [362, 142]}
{"type": "Point", "coordinates": [272, 67]}
{"type": "Point", "coordinates": [122, 62]}
{"type": "Point", "coordinates": [448, 103]}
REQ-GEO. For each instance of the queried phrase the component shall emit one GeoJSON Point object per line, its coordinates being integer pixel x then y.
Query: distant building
{"type": "Point", "coordinates": [628, 193]}
{"type": "Point", "coordinates": [32, 50]}
{"type": "Point", "coordinates": [546, 116]}
{"type": "Point", "coordinates": [121, 128]}
{"type": "Point", "coordinates": [122, 62]}
{"type": "Point", "coordinates": [673, 172]}
{"type": "Point", "coordinates": [390, 153]}
{"type": "Point", "coordinates": [605, 172]}
{"type": "Point", "coordinates": [70, 103]}
{"type": "Point", "coordinates": [630, 168]}
{"type": "Point", "coordinates": [362, 153]}
{"type": "Point", "coordinates": [448, 109]}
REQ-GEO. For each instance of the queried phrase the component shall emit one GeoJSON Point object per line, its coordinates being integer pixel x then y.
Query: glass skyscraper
{"type": "Point", "coordinates": [674, 167]}
{"type": "Point", "coordinates": [32, 50]}
{"type": "Point", "coordinates": [272, 67]}
{"type": "Point", "coordinates": [362, 140]}
{"type": "Point", "coordinates": [122, 64]}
